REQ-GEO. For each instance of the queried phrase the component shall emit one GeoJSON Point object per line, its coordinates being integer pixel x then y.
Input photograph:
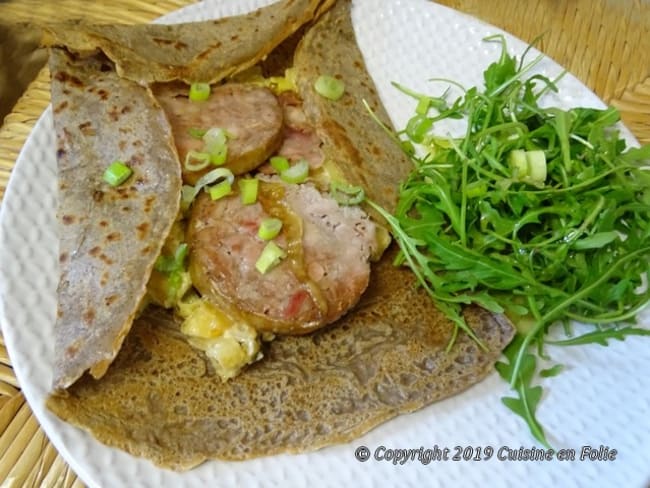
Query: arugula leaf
{"type": "Point", "coordinates": [502, 70]}
{"type": "Point", "coordinates": [529, 396]}
{"type": "Point", "coordinates": [601, 336]}
{"type": "Point", "coordinates": [637, 154]}
{"type": "Point", "coordinates": [571, 244]}
{"type": "Point", "coordinates": [553, 371]}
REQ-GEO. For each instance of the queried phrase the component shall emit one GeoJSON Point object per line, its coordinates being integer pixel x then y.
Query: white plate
{"type": "Point", "coordinates": [602, 398]}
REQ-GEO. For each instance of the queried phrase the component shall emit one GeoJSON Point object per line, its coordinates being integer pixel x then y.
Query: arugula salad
{"type": "Point", "coordinates": [539, 213]}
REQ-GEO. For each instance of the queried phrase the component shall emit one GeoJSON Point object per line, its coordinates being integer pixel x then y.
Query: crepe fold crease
{"type": "Point", "coordinates": [161, 398]}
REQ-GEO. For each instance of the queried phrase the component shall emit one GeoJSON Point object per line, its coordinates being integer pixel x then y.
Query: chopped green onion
{"type": "Point", "coordinates": [536, 165]}
{"type": "Point", "coordinates": [219, 156]}
{"type": "Point", "coordinates": [220, 190]}
{"type": "Point", "coordinates": [168, 264]}
{"type": "Point", "coordinates": [528, 166]}
{"type": "Point", "coordinates": [188, 193]}
{"type": "Point", "coordinates": [329, 87]}
{"type": "Point", "coordinates": [196, 161]}
{"type": "Point", "coordinates": [346, 194]}
{"type": "Point", "coordinates": [248, 190]}
{"type": "Point", "coordinates": [174, 283]}
{"type": "Point", "coordinates": [279, 163]}
{"type": "Point", "coordinates": [199, 92]}
{"type": "Point", "coordinates": [215, 137]}
{"type": "Point", "coordinates": [217, 174]}
{"type": "Point", "coordinates": [270, 257]}
{"type": "Point", "coordinates": [173, 266]}
{"type": "Point", "coordinates": [117, 173]}
{"type": "Point", "coordinates": [196, 133]}
{"type": "Point", "coordinates": [165, 264]}
{"type": "Point", "coordinates": [269, 228]}
{"type": "Point", "coordinates": [296, 173]}
{"type": "Point", "coordinates": [216, 145]}
{"type": "Point", "coordinates": [518, 164]}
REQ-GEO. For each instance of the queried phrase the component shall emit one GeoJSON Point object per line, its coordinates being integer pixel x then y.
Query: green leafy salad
{"type": "Point", "coordinates": [541, 213]}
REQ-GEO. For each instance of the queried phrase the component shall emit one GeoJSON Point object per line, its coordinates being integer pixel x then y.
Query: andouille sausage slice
{"type": "Point", "coordinates": [300, 140]}
{"type": "Point", "coordinates": [324, 275]}
{"type": "Point", "coordinates": [250, 113]}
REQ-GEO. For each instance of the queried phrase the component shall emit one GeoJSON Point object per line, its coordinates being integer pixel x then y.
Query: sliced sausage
{"type": "Point", "coordinates": [324, 275]}
{"type": "Point", "coordinates": [250, 113]}
{"type": "Point", "coordinates": [299, 140]}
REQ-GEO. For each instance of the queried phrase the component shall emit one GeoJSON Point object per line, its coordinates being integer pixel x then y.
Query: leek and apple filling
{"type": "Point", "coordinates": [228, 342]}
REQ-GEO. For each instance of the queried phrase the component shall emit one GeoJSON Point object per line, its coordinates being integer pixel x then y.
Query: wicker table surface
{"type": "Point", "coordinates": [605, 43]}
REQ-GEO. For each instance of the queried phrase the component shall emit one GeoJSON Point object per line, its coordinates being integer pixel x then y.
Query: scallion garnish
{"type": "Point", "coordinates": [188, 193]}
{"type": "Point", "coordinates": [269, 228]}
{"type": "Point", "coordinates": [196, 161]}
{"type": "Point", "coordinates": [174, 267]}
{"type": "Point", "coordinates": [220, 190]}
{"type": "Point", "coordinates": [214, 138]}
{"type": "Point", "coordinates": [528, 166]}
{"type": "Point", "coordinates": [270, 257]}
{"type": "Point", "coordinates": [218, 157]}
{"type": "Point", "coordinates": [215, 149]}
{"type": "Point", "coordinates": [248, 190]}
{"type": "Point", "coordinates": [117, 173]}
{"type": "Point", "coordinates": [346, 194]}
{"type": "Point", "coordinates": [296, 173]}
{"type": "Point", "coordinates": [329, 87]}
{"type": "Point", "coordinates": [199, 92]}
{"type": "Point", "coordinates": [216, 145]}
{"type": "Point", "coordinates": [279, 163]}
{"type": "Point", "coordinates": [175, 262]}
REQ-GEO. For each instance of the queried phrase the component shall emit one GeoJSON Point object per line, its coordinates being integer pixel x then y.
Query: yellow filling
{"type": "Point", "coordinates": [228, 343]}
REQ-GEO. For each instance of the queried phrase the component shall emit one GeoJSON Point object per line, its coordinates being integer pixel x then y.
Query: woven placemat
{"type": "Point", "coordinates": [605, 43]}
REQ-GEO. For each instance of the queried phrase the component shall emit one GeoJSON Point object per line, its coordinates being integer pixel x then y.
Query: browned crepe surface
{"type": "Point", "coordinates": [109, 237]}
{"type": "Point", "coordinates": [162, 400]}
{"type": "Point", "coordinates": [205, 51]}
{"type": "Point", "coordinates": [351, 137]}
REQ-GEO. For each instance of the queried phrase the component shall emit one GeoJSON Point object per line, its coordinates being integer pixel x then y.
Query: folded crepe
{"type": "Point", "coordinates": [162, 399]}
{"type": "Point", "coordinates": [195, 51]}
{"type": "Point", "coordinates": [110, 236]}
